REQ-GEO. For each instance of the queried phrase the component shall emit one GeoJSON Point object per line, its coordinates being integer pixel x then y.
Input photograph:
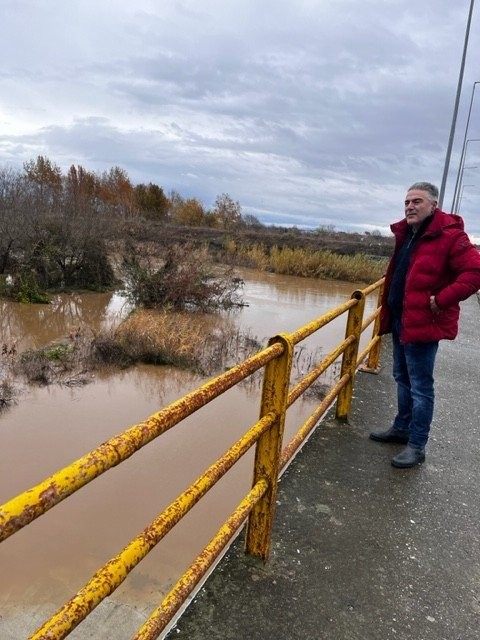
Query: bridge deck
{"type": "Point", "coordinates": [362, 550]}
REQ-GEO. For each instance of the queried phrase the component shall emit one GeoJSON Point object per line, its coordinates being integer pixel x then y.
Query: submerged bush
{"type": "Point", "coordinates": [202, 342]}
{"type": "Point", "coordinates": [60, 261]}
{"type": "Point", "coordinates": [64, 362]}
{"type": "Point", "coordinates": [184, 280]}
{"type": "Point", "coordinates": [23, 287]}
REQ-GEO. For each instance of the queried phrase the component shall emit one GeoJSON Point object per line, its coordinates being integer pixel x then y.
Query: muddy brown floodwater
{"type": "Point", "coordinates": [44, 564]}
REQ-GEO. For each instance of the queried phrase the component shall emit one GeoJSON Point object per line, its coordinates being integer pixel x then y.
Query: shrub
{"type": "Point", "coordinates": [25, 288]}
{"type": "Point", "coordinates": [185, 280]}
{"type": "Point", "coordinates": [63, 362]}
{"type": "Point", "coordinates": [70, 262]}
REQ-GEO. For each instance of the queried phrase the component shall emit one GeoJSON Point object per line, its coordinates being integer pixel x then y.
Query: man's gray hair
{"type": "Point", "coordinates": [430, 188]}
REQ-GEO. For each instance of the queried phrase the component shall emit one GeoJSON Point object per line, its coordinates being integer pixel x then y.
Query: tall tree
{"type": "Point", "coordinates": [14, 209]}
{"type": "Point", "coordinates": [227, 212]}
{"type": "Point", "coordinates": [45, 181]}
{"type": "Point", "coordinates": [151, 201]}
{"type": "Point", "coordinates": [116, 190]}
{"type": "Point", "coordinates": [80, 190]}
{"type": "Point", "coordinates": [190, 212]}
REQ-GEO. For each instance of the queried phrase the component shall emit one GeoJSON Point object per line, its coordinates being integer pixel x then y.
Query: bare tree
{"type": "Point", "coordinates": [227, 212]}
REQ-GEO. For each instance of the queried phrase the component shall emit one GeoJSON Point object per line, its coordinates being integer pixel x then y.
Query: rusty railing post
{"type": "Point", "coordinates": [268, 451]}
{"type": "Point", "coordinates": [374, 355]}
{"type": "Point", "coordinates": [349, 360]}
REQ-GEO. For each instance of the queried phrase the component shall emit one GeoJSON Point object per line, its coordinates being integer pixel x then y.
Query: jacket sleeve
{"type": "Point", "coordinates": [464, 262]}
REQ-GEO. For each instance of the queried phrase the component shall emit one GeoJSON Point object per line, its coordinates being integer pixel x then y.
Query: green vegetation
{"type": "Point", "coordinates": [53, 231]}
{"type": "Point", "coordinates": [23, 289]}
{"type": "Point", "coordinates": [57, 352]}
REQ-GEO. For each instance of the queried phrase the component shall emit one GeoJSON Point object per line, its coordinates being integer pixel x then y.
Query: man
{"type": "Point", "coordinates": [434, 266]}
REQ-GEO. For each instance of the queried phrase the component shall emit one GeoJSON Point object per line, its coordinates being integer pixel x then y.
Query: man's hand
{"type": "Point", "coordinates": [434, 306]}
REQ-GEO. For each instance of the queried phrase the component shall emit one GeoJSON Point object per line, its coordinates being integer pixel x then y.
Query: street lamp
{"type": "Point", "coordinates": [461, 165]}
{"type": "Point", "coordinates": [461, 195]}
{"type": "Point", "coordinates": [455, 109]}
{"type": "Point", "coordinates": [456, 204]}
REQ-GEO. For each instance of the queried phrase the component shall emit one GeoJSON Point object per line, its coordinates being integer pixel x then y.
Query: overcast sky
{"type": "Point", "coordinates": [308, 112]}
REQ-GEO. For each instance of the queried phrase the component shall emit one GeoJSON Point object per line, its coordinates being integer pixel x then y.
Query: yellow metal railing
{"type": "Point", "coordinates": [257, 507]}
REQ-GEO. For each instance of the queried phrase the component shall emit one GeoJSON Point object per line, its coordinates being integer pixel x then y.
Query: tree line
{"type": "Point", "coordinates": [54, 225]}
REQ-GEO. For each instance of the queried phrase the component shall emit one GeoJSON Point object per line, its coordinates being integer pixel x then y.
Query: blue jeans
{"type": "Point", "coordinates": [413, 366]}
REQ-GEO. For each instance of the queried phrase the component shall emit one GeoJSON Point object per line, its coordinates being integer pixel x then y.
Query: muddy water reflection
{"type": "Point", "coordinates": [34, 325]}
{"type": "Point", "coordinates": [50, 427]}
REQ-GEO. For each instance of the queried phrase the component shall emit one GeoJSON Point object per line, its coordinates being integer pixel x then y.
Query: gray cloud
{"type": "Point", "coordinates": [308, 112]}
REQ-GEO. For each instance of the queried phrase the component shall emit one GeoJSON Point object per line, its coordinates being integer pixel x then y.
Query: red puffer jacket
{"type": "Point", "coordinates": [444, 263]}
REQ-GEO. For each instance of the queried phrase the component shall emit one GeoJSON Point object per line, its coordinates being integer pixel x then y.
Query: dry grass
{"type": "Point", "coordinates": [205, 343]}
{"type": "Point", "coordinates": [202, 342]}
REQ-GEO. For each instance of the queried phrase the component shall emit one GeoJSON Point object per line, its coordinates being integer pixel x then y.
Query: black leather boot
{"type": "Point", "coordinates": [390, 435]}
{"type": "Point", "coordinates": [409, 457]}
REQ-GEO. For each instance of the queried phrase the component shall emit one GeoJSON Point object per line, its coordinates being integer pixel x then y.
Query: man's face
{"type": "Point", "coordinates": [418, 207]}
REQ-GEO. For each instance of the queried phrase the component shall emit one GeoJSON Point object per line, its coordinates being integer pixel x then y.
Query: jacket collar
{"type": "Point", "coordinates": [440, 221]}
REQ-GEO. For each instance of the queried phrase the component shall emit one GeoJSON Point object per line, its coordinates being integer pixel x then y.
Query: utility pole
{"type": "Point", "coordinates": [455, 110]}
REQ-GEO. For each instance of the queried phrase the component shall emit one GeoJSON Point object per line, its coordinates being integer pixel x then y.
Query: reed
{"type": "Point", "coordinates": [308, 263]}
{"type": "Point", "coordinates": [199, 341]}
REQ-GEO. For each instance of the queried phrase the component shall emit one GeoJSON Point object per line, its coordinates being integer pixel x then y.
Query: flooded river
{"type": "Point", "coordinates": [44, 564]}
